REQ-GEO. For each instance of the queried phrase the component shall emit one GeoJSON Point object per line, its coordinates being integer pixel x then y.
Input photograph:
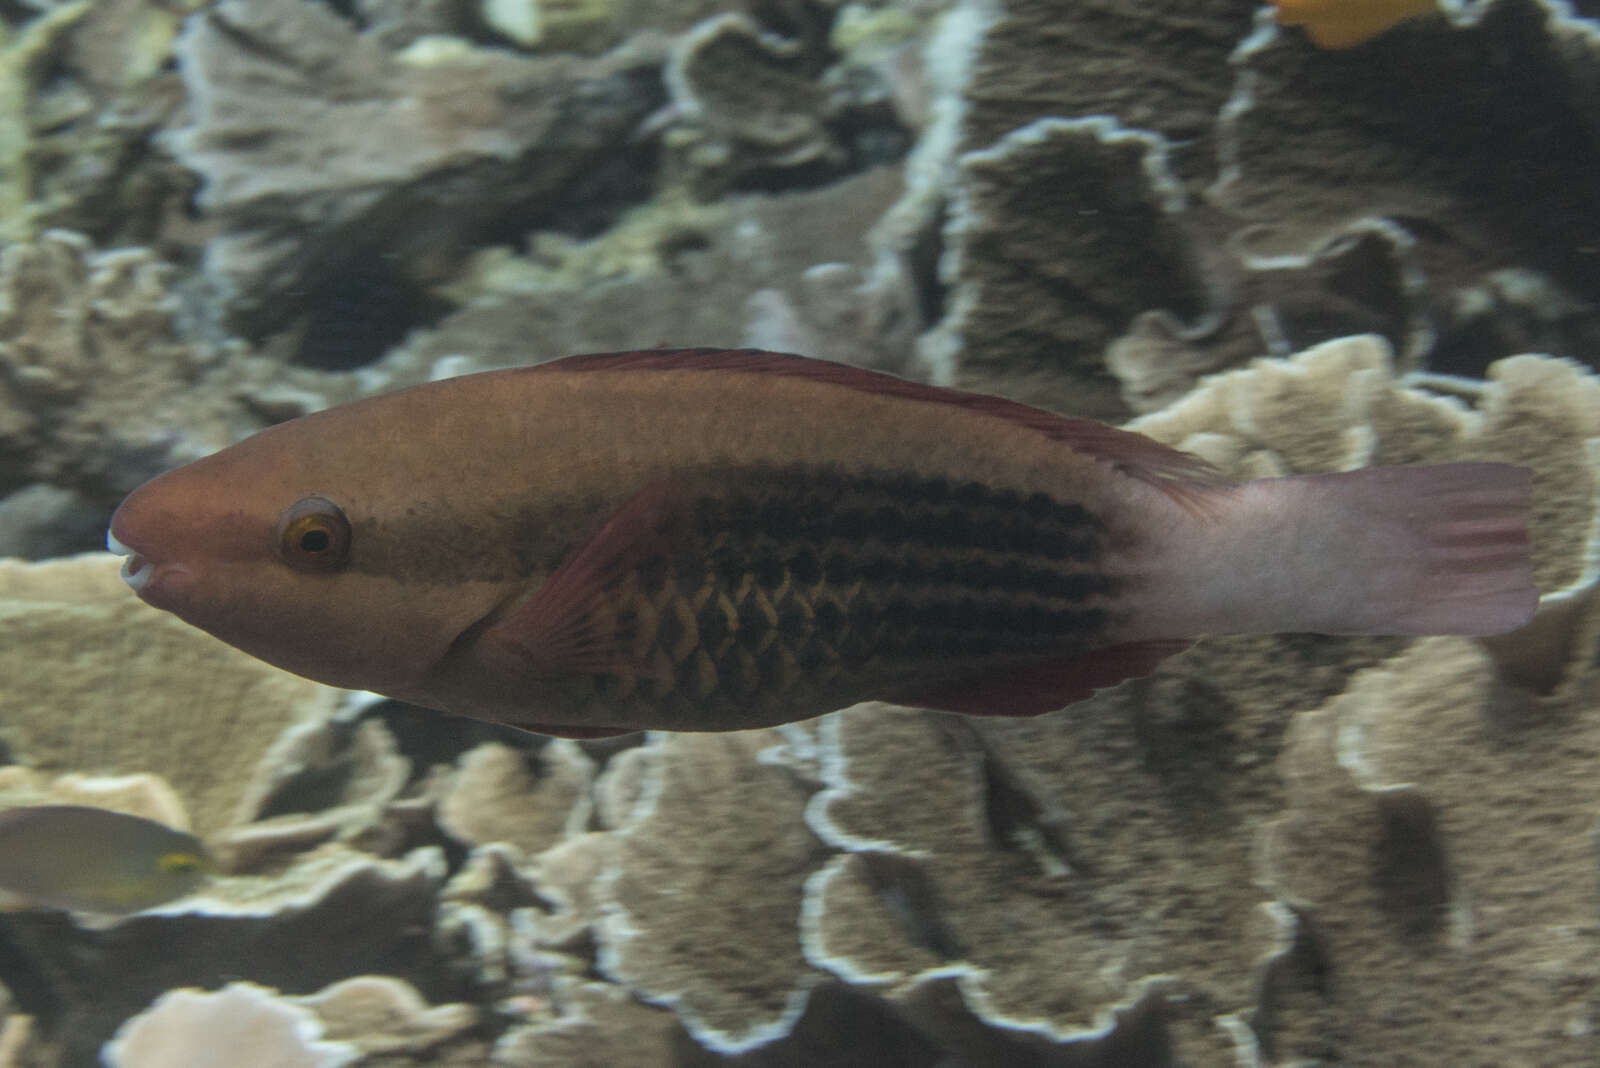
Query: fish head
{"type": "Point", "coordinates": [147, 867]}
{"type": "Point", "coordinates": [286, 546]}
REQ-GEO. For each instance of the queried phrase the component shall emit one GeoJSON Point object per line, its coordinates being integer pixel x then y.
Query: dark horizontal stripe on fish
{"type": "Point", "coordinates": [820, 504]}
{"type": "Point", "coordinates": [771, 565]}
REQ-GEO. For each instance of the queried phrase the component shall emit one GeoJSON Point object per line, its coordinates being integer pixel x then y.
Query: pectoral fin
{"type": "Point", "coordinates": [571, 624]}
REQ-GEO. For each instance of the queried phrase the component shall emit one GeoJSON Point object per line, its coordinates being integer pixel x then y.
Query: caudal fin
{"type": "Point", "coordinates": [1384, 550]}
{"type": "Point", "coordinates": [1436, 550]}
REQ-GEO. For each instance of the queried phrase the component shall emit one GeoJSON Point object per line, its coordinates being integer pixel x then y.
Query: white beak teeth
{"type": "Point", "coordinates": [136, 570]}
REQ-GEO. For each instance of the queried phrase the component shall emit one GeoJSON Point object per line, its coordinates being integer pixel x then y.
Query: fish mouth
{"type": "Point", "coordinates": [136, 570]}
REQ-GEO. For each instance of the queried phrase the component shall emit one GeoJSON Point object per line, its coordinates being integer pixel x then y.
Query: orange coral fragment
{"type": "Point", "coordinates": [1345, 23]}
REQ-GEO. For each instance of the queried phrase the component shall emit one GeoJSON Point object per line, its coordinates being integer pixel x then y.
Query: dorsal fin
{"type": "Point", "coordinates": [1176, 473]}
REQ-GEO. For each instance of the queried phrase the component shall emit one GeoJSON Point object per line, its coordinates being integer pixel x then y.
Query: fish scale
{"type": "Point", "coordinates": [805, 576]}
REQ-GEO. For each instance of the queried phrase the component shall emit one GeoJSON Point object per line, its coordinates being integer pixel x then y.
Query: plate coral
{"type": "Point", "coordinates": [1194, 220]}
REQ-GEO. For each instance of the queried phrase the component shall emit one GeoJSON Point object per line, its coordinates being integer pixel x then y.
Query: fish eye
{"type": "Point", "coordinates": [313, 535]}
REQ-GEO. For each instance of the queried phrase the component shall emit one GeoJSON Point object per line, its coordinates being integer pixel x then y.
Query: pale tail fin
{"type": "Point", "coordinates": [1467, 526]}
{"type": "Point", "coordinates": [1384, 550]}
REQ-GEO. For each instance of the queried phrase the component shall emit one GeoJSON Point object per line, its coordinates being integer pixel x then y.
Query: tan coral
{"type": "Point", "coordinates": [23, 61]}
{"type": "Point", "coordinates": [1053, 870]}
{"type": "Point", "coordinates": [1440, 851]}
{"type": "Point", "coordinates": [701, 906]}
{"type": "Point", "coordinates": [122, 43]}
{"type": "Point", "coordinates": [380, 1014]}
{"type": "Point", "coordinates": [1546, 414]}
{"type": "Point", "coordinates": [325, 878]}
{"type": "Point", "coordinates": [626, 784]}
{"type": "Point", "coordinates": [196, 1029]}
{"type": "Point", "coordinates": [148, 796]}
{"type": "Point", "coordinates": [361, 757]}
{"type": "Point", "coordinates": [333, 912]}
{"type": "Point", "coordinates": [323, 152]}
{"type": "Point", "coordinates": [488, 913]}
{"type": "Point", "coordinates": [1156, 68]}
{"type": "Point", "coordinates": [1330, 194]}
{"type": "Point", "coordinates": [94, 368]}
{"type": "Point", "coordinates": [19, 1047]}
{"type": "Point", "coordinates": [99, 682]}
{"type": "Point", "coordinates": [245, 1025]}
{"type": "Point", "coordinates": [747, 102]}
{"type": "Point", "coordinates": [746, 269]}
{"type": "Point", "coordinates": [567, 876]}
{"type": "Point", "coordinates": [1059, 235]}
{"type": "Point", "coordinates": [597, 1024]}
{"type": "Point", "coordinates": [1376, 141]}
{"type": "Point", "coordinates": [585, 26]}
{"type": "Point", "coordinates": [495, 796]}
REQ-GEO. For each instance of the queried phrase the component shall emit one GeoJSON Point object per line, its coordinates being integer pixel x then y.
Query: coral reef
{"type": "Point", "coordinates": [155, 696]}
{"type": "Point", "coordinates": [1389, 188]}
{"type": "Point", "coordinates": [1276, 850]}
{"type": "Point", "coordinates": [741, 271]}
{"type": "Point", "coordinates": [1392, 855]}
{"type": "Point", "coordinates": [277, 929]}
{"type": "Point", "coordinates": [99, 93]}
{"type": "Point", "coordinates": [204, 1030]}
{"type": "Point", "coordinates": [1457, 187]}
{"type": "Point", "coordinates": [348, 1022]}
{"type": "Point", "coordinates": [1074, 221]}
{"type": "Point", "coordinates": [323, 152]}
{"type": "Point", "coordinates": [600, 1024]}
{"type": "Point", "coordinates": [733, 871]}
{"type": "Point", "coordinates": [494, 797]}
{"type": "Point", "coordinates": [91, 366]}
{"type": "Point", "coordinates": [1168, 873]}
{"type": "Point", "coordinates": [377, 1014]}
{"type": "Point", "coordinates": [102, 387]}
{"type": "Point", "coordinates": [751, 103]}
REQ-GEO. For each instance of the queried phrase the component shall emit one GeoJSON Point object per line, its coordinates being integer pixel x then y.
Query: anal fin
{"type": "Point", "coordinates": [565, 730]}
{"type": "Point", "coordinates": [1036, 688]}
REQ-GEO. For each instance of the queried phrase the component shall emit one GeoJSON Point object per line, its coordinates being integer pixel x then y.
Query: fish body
{"type": "Point", "coordinates": [707, 540]}
{"type": "Point", "coordinates": [96, 860]}
{"type": "Point", "coordinates": [1347, 23]}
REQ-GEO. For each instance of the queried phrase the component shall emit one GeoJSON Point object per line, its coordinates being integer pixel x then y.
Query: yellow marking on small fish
{"type": "Point", "coordinates": [180, 863]}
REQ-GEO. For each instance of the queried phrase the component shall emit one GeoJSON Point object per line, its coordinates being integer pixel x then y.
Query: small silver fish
{"type": "Point", "coordinates": [95, 860]}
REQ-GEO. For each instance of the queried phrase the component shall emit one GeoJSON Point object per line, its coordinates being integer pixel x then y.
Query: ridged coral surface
{"type": "Point", "coordinates": [1284, 258]}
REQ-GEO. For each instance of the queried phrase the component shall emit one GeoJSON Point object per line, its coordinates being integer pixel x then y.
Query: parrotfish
{"type": "Point", "coordinates": [96, 860]}
{"type": "Point", "coordinates": [1347, 23]}
{"type": "Point", "coordinates": [713, 540]}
